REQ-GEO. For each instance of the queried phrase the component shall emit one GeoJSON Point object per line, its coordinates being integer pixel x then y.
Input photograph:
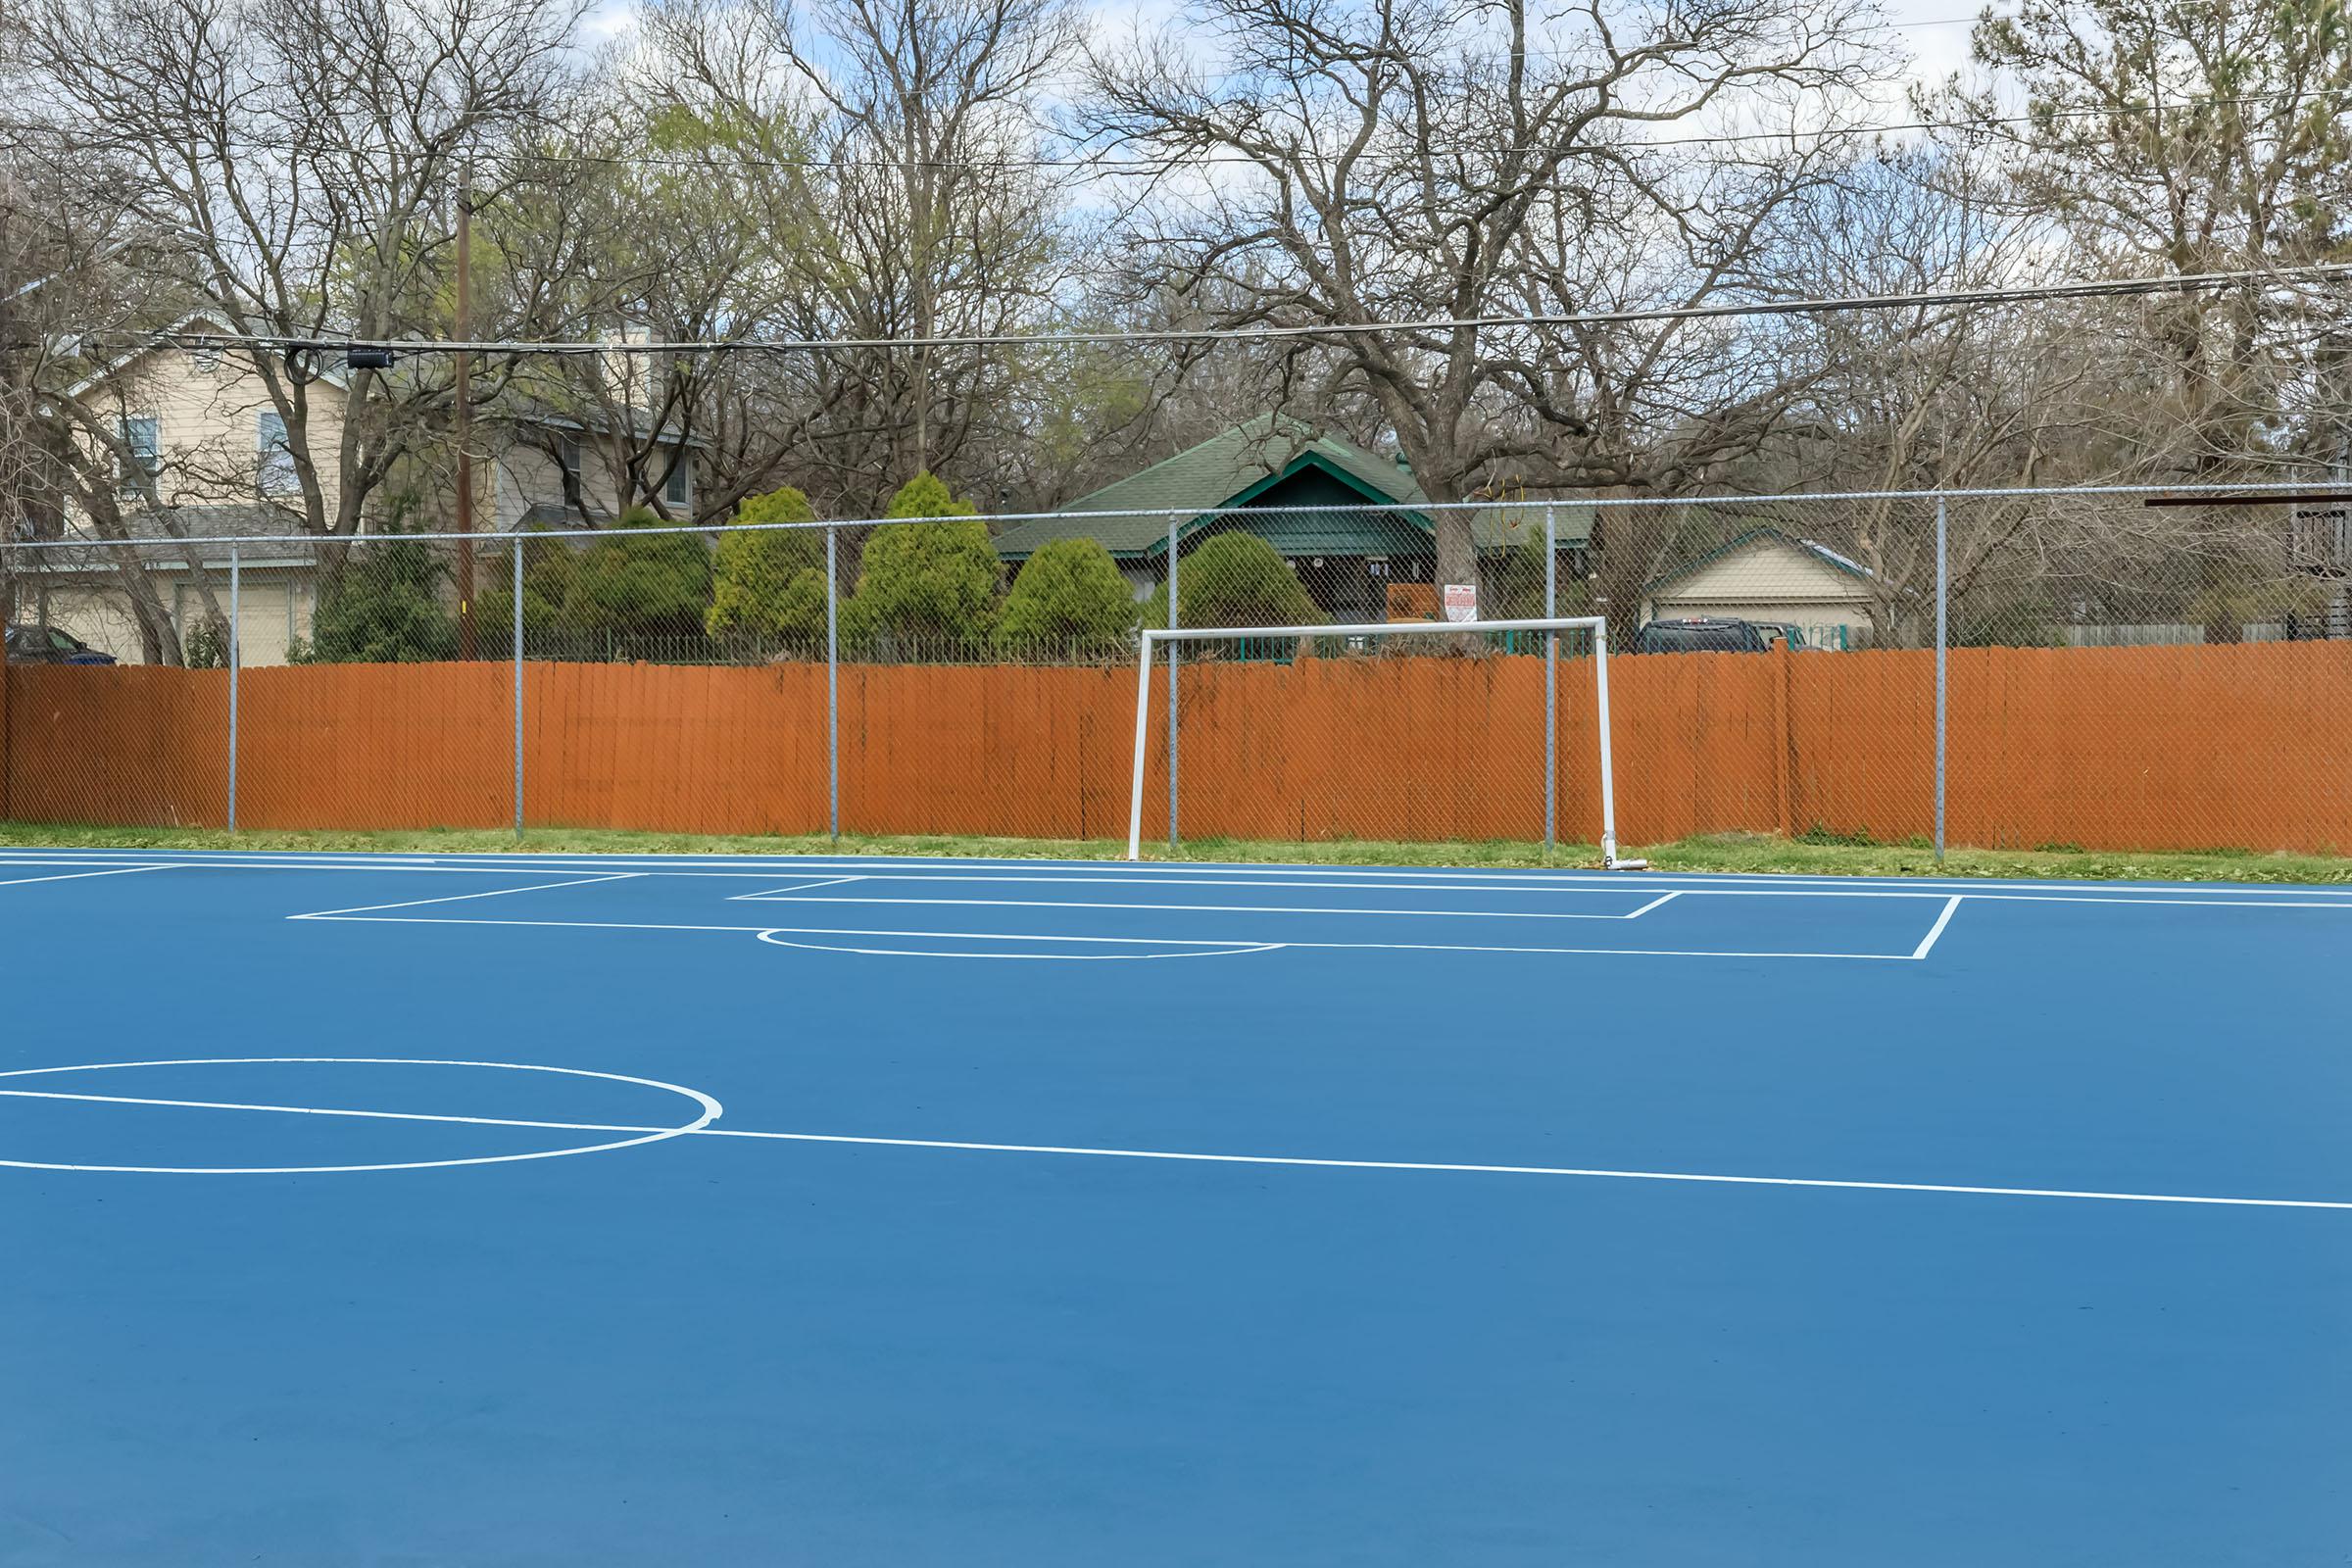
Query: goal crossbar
{"type": "Point", "coordinates": [1597, 625]}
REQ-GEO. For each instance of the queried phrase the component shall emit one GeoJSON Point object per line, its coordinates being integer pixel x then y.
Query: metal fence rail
{"type": "Point", "coordinates": [2013, 669]}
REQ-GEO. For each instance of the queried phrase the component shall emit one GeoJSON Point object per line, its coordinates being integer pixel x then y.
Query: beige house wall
{"type": "Point", "coordinates": [208, 408]}
{"type": "Point", "coordinates": [1771, 580]}
{"type": "Point", "coordinates": [525, 475]}
{"type": "Point", "coordinates": [208, 428]}
{"type": "Point", "coordinates": [275, 605]}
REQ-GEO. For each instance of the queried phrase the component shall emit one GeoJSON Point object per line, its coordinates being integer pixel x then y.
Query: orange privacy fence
{"type": "Point", "coordinates": [2132, 748]}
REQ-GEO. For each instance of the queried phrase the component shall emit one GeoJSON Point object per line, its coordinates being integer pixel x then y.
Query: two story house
{"type": "Point", "coordinates": [206, 458]}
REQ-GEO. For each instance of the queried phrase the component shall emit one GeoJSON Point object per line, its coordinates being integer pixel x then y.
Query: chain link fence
{"type": "Point", "coordinates": [2074, 668]}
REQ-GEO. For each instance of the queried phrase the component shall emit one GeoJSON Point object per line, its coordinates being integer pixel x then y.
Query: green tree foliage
{"type": "Point", "coordinates": [632, 580]}
{"type": "Point", "coordinates": [547, 566]}
{"type": "Point", "coordinates": [1069, 596]}
{"type": "Point", "coordinates": [1234, 579]}
{"type": "Point", "coordinates": [383, 604]}
{"type": "Point", "coordinates": [1515, 584]}
{"type": "Point", "coordinates": [925, 587]}
{"type": "Point", "coordinates": [928, 495]}
{"type": "Point", "coordinates": [771, 584]}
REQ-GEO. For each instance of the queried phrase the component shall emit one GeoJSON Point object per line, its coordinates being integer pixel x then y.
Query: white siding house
{"type": "Point", "coordinates": [1765, 575]}
{"type": "Point", "coordinates": [210, 461]}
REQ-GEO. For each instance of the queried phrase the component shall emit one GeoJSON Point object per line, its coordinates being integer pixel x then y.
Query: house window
{"type": "Point", "coordinates": [204, 361]}
{"type": "Point", "coordinates": [677, 489]}
{"type": "Point", "coordinates": [143, 455]}
{"type": "Point", "coordinates": [276, 467]}
{"type": "Point", "coordinates": [568, 456]}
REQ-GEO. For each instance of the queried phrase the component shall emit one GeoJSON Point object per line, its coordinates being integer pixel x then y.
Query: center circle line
{"type": "Point", "coordinates": [709, 1110]}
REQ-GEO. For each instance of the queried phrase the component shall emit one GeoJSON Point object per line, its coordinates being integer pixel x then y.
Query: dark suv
{"type": "Point", "coordinates": [1699, 634]}
{"type": "Point", "coordinates": [46, 645]}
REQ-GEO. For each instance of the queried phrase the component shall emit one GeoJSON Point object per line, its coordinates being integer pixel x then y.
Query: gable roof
{"type": "Point", "coordinates": [1763, 534]}
{"type": "Point", "coordinates": [1231, 470]}
{"type": "Point", "coordinates": [148, 529]}
{"type": "Point", "coordinates": [162, 339]}
{"type": "Point", "coordinates": [635, 425]}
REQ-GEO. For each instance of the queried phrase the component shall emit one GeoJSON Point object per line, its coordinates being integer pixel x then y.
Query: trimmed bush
{"type": "Point", "coordinates": [925, 588]}
{"type": "Point", "coordinates": [1234, 579]}
{"type": "Point", "coordinates": [757, 581]}
{"type": "Point", "coordinates": [383, 604]}
{"type": "Point", "coordinates": [1069, 596]}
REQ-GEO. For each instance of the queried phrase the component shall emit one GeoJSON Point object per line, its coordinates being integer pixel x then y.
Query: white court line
{"type": "Point", "coordinates": [988, 936]}
{"type": "Point", "coordinates": [1754, 885]}
{"type": "Point", "coordinates": [73, 876]}
{"type": "Point", "coordinates": [707, 1111]}
{"type": "Point", "coordinates": [1619, 888]}
{"type": "Point", "coordinates": [796, 887]}
{"type": "Point", "coordinates": [1196, 908]}
{"type": "Point", "coordinates": [2284, 897]}
{"type": "Point", "coordinates": [351, 866]}
{"type": "Point", "coordinates": [453, 897]}
{"type": "Point", "coordinates": [1459, 1167]}
{"type": "Point", "coordinates": [1031, 936]}
{"type": "Point", "coordinates": [776, 938]}
{"type": "Point", "coordinates": [308, 1110]}
{"type": "Point", "coordinates": [1666, 898]}
{"type": "Point", "coordinates": [1927, 942]}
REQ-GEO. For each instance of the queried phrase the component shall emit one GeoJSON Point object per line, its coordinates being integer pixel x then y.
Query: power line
{"type": "Point", "coordinates": [2184, 283]}
{"type": "Point", "coordinates": [1104, 163]}
{"type": "Point", "coordinates": [2254, 492]}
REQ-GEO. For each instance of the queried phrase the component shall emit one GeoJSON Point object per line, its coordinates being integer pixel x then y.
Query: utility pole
{"type": "Point", "coordinates": [468, 648]}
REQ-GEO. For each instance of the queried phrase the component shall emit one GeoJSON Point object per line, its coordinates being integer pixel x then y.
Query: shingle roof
{"type": "Point", "coordinates": [1228, 470]}
{"type": "Point", "coordinates": [153, 528]}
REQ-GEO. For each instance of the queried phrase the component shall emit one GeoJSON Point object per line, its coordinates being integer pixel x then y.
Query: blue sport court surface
{"type": "Point", "coordinates": [530, 1210]}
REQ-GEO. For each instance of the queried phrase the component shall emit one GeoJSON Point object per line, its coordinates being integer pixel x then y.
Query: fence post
{"type": "Point", "coordinates": [236, 659]}
{"type": "Point", "coordinates": [7, 618]}
{"type": "Point", "coordinates": [1944, 600]}
{"type": "Point", "coordinates": [833, 683]}
{"type": "Point", "coordinates": [517, 594]}
{"type": "Point", "coordinates": [1551, 681]}
{"type": "Point", "coordinates": [1173, 522]}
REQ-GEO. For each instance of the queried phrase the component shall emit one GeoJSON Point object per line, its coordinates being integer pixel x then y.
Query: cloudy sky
{"type": "Point", "coordinates": [1933, 31]}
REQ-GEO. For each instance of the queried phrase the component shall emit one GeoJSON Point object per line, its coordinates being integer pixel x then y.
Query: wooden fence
{"type": "Point", "coordinates": [2123, 748]}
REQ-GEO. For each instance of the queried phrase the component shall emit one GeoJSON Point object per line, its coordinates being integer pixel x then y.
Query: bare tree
{"type": "Point", "coordinates": [2192, 136]}
{"type": "Point", "coordinates": [892, 150]}
{"type": "Point", "coordinates": [294, 163]}
{"type": "Point", "coordinates": [1419, 159]}
{"type": "Point", "coordinates": [77, 270]}
{"type": "Point", "coordinates": [1926, 396]}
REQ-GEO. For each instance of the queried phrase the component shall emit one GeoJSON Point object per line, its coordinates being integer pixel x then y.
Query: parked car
{"type": "Point", "coordinates": [46, 645]}
{"type": "Point", "coordinates": [1780, 634]}
{"type": "Point", "coordinates": [1699, 634]}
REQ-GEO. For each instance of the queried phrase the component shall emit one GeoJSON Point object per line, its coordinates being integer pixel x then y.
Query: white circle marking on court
{"type": "Point", "coordinates": [709, 1112]}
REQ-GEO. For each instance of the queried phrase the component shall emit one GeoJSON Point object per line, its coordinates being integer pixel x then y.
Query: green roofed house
{"type": "Point", "coordinates": [1305, 495]}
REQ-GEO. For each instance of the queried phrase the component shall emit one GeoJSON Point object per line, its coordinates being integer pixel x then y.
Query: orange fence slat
{"type": "Point", "coordinates": [2245, 747]}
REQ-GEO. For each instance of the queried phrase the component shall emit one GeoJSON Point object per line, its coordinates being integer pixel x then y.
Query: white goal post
{"type": "Point", "coordinates": [1153, 636]}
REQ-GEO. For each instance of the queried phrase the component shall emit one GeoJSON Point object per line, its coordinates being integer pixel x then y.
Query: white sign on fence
{"type": "Point", "coordinates": [1462, 601]}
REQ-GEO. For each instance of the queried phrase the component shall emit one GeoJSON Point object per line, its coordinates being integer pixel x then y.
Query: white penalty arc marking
{"type": "Point", "coordinates": [1228, 943]}
{"type": "Point", "coordinates": [708, 1110]}
{"type": "Point", "coordinates": [1191, 949]}
{"type": "Point", "coordinates": [1182, 1156]}
{"type": "Point", "coordinates": [1192, 908]}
